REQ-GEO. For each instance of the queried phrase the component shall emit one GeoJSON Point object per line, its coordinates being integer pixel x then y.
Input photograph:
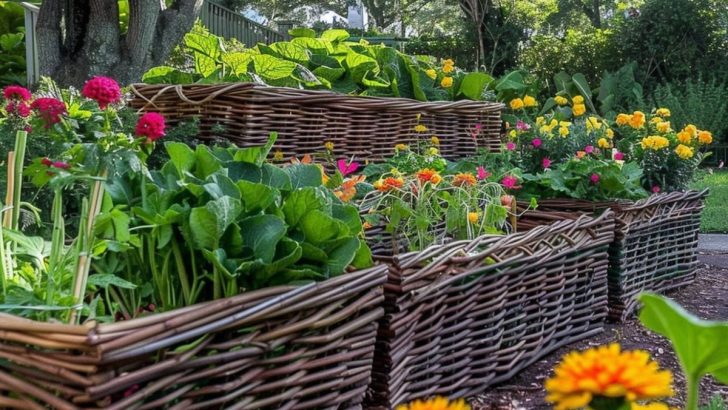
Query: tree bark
{"type": "Point", "coordinates": [78, 39]}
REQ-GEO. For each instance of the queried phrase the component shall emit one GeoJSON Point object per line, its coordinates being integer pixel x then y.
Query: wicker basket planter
{"type": "Point", "coordinates": [465, 315]}
{"type": "Point", "coordinates": [364, 127]}
{"type": "Point", "coordinates": [308, 347]}
{"type": "Point", "coordinates": [655, 244]}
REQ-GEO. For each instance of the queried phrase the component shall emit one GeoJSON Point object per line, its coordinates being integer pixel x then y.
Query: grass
{"type": "Point", "coordinates": [715, 215]}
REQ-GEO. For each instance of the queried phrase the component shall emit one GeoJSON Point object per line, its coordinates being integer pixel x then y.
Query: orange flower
{"type": "Point", "coordinates": [389, 183]}
{"type": "Point", "coordinates": [466, 179]}
{"type": "Point", "coordinates": [428, 175]}
{"type": "Point", "coordinates": [347, 190]}
{"type": "Point", "coordinates": [305, 160]}
{"type": "Point", "coordinates": [366, 225]}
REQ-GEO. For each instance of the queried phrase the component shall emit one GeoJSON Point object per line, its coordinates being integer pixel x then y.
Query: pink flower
{"type": "Point", "coordinates": [522, 126]}
{"type": "Point", "coordinates": [509, 181]}
{"type": "Point", "coordinates": [16, 92]}
{"type": "Point", "coordinates": [546, 162]}
{"type": "Point", "coordinates": [346, 168]}
{"type": "Point", "coordinates": [536, 142]}
{"type": "Point", "coordinates": [50, 109]}
{"type": "Point", "coordinates": [656, 189]}
{"type": "Point", "coordinates": [478, 126]}
{"type": "Point", "coordinates": [61, 165]}
{"type": "Point", "coordinates": [150, 125]}
{"type": "Point", "coordinates": [104, 90]}
{"type": "Point", "coordinates": [594, 178]}
{"type": "Point", "coordinates": [46, 161]}
{"type": "Point", "coordinates": [28, 129]}
{"type": "Point", "coordinates": [19, 108]}
{"type": "Point", "coordinates": [482, 173]}
{"type": "Point", "coordinates": [618, 156]}
{"type": "Point", "coordinates": [510, 146]}
{"type": "Point", "coordinates": [589, 149]}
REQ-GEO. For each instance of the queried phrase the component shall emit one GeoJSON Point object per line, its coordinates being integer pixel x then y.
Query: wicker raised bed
{"type": "Point", "coordinates": [307, 347]}
{"type": "Point", "coordinates": [655, 244]}
{"type": "Point", "coordinates": [364, 127]}
{"type": "Point", "coordinates": [465, 315]}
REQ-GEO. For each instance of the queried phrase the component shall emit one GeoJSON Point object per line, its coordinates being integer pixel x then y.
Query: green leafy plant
{"type": "Point", "coordinates": [699, 344]}
{"type": "Point", "coordinates": [12, 44]}
{"type": "Point", "coordinates": [620, 92]}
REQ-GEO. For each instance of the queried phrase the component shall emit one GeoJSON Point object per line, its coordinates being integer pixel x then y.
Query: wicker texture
{"type": "Point", "coordinates": [366, 128]}
{"type": "Point", "coordinates": [308, 347]}
{"type": "Point", "coordinates": [655, 244]}
{"type": "Point", "coordinates": [465, 315]}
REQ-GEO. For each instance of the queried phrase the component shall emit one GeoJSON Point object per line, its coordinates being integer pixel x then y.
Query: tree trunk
{"type": "Point", "coordinates": [78, 39]}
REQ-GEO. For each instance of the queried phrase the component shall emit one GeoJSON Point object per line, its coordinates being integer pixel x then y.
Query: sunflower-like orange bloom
{"type": "Point", "coordinates": [464, 179]}
{"type": "Point", "coordinates": [347, 190]}
{"type": "Point", "coordinates": [437, 403]}
{"type": "Point", "coordinates": [388, 184]}
{"type": "Point", "coordinates": [606, 371]}
{"type": "Point", "coordinates": [428, 175]}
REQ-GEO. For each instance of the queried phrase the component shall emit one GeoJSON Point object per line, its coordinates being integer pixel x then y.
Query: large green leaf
{"type": "Point", "coordinates": [205, 162]}
{"type": "Point", "coordinates": [319, 227]}
{"type": "Point", "coordinates": [275, 177]}
{"type": "Point", "coordinates": [9, 41]}
{"type": "Point", "coordinates": [104, 280]}
{"type": "Point", "coordinates": [301, 202]}
{"type": "Point", "coordinates": [208, 224]}
{"type": "Point", "coordinates": [273, 68]}
{"type": "Point", "coordinates": [304, 175]}
{"type": "Point", "coordinates": [166, 75]}
{"type": "Point", "coordinates": [291, 52]}
{"type": "Point", "coordinates": [256, 197]}
{"type": "Point", "coordinates": [261, 233]}
{"type": "Point", "coordinates": [328, 73]}
{"type": "Point", "coordinates": [335, 35]}
{"type": "Point", "coordinates": [582, 85]}
{"type": "Point", "coordinates": [473, 85]}
{"type": "Point", "coordinates": [342, 254]}
{"type": "Point", "coordinates": [512, 81]}
{"type": "Point", "coordinates": [256, 155]}
{"type": "Point", "coordinates": [238, 62]}
{"type": "Point", "coordinates": [700, 345]}
{"type": "Point", "coordinates": [301, 32]}
{"type": "Point", "coordinates": [359, 65]}
{"type": "Point", "coordinates": [181, 155]}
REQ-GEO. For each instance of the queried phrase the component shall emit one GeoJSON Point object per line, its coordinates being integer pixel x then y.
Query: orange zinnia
{"type": "Point", "coordinates": [465, 178]}
{"type": "Point", "coordinates": [389, 183]}
{"type": "Point", "coordinates": [428, 175]}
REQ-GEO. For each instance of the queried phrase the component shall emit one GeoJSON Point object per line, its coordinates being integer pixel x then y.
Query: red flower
{"type": "Point", "coordinates": [50, 109]}
{"type": "Point", "coordinates": [61, 165]}
{"type": "Point", "coordinates": [19, 108]}
{"type": "Point", "coordinates": [46, 161]}
{"type": "Point", "coordinates": [150, 125]}
{"type": "Point", "coordinates": [104, 90]}
{"type": "Point", "coordinates": [16, 92]}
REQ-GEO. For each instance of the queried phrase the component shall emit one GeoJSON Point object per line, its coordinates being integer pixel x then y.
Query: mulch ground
{"type": "Point", "coordinates": [706, 298]}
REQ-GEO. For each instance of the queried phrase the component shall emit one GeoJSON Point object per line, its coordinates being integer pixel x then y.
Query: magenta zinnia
{"type": "Point", "coordinates": [104, 90]}
{"type": "Point", "coordinates": [16, 92]}
{"type": "Point", "coordinates": [150, 125]}
{"type": "Point", "coordinates": [50, 109]}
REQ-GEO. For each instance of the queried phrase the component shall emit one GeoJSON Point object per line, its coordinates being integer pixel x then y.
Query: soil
{"type": "Point", "coordinates": [706, 298]}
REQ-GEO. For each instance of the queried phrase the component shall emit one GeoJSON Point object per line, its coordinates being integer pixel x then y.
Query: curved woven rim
{"type": "Point", "coordinates": [625, 205]}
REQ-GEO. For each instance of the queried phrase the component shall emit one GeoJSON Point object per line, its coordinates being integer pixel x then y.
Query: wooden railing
{"type": "Point", "coordinates": [31, 45]}
{"type": "Point", "coordinates": [226, 23]}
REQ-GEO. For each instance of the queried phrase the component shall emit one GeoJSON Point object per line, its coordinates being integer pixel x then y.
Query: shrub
{"type": "Point", "coordinates": [12, 44]}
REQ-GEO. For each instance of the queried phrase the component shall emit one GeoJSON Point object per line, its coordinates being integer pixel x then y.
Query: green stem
{"type": "Point", "coordinates": [693, 396]}
{"type": "Point", "coordinates": [3, 264]}
{"type": "Point", "coordinates": [21, 137]}
{"type": "Point", "coordinates": [57, 242]}
{"type": "Point", "coordinates": [182, 272]}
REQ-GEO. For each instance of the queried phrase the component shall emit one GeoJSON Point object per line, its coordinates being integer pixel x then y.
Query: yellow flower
{"type": "Point", "coordinates": [684, 152]}
{"type": "Point", "coordinates": [655, 142]}
{"type": "Point", "coordinates": [473, 217]}
{"type": "Point", "coordinates": [448, 62]}
{"type": "Point", "coordinates": [516, 104]}
{"type": "Point", "coordinates": [278, 155]}
{"type": "Point", "coordinates": [435, 140]}
{"type": "Point", "coordinates": [464, 179]}
{"type": "Point", "coordinates": [529, 101]}
{"type": "Point", "coordinates": [663, 112]}
{"type": "Point", "coordinates": [563, 131]}
{"type": "Point", "coordinates": [610, 133]}
{"type": "Point", "coordinates": [604, 143]}
{"type": "Point", "coordinates": [663, 126]}
{"type": "Point", "coordinates": [705, 137]}
{"type": "Point", "coordinates": [401, 147]}
{"type": "Point", "coordinates": [560, 100]}
{"type": "Point", "coordinates": [650, 406]}
{"type": "Point", "coordinates": [578, 110]}
{"type": "Point", "coordinates": [432, 151]}
{"type": "Point", "coordinates": [554, 123]}
{"type": "Point", "coordinates": [540, 121]}
{"type": "Point", "coordinates": [431, 73]}
{"type": "Point", "coordinates": [437, 403]}
{"type": "Point", "coordinates": [655, 120]}
{"type": "Point", "coordinates": [436, 179]}
{"type": "Point", "coordinates": [623, 119]}
{"type": "Point", "coordinates": [448, 68]}
{"type": "Point", "coordinates": [684, 137]}
{"type": "Point", "coordinates": [446, 82]}
{"type": "Point", "coordinates": [606, 371]}
{"type": "Point", "coordinates": [593, 123]}
{"type": "Point", "coordinates": [564, 123]}
{"type": "Point", "coordinates": [513, 134]}
{"type": "Point", "coordinates": [692, 129]}
{"type": "Point", "coordinates": [637, 120]}
{"type": "Point", "coordinates": [420, 128]}
{"type": "Point", "coordinates": [578, 100]}
{"type": "Point", "coordinates": [329, 145]}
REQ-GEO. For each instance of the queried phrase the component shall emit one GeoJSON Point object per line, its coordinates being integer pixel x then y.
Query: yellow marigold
{"type": "Point", "coordinates": [663, 126]}
{"type": "Point", "coordinates": [559, 100]}
{"type": "Point", "coordinates": [529, 101]}
{"type": "Point", "coordinates": [435, 140]}
{"type": "Point", "coordinates": [663, 112]}
{"type": "Point", "coordinates": [564, 123]}
{"type": "Point", "coordinates": [684, 137]}
{"type": "Point", "coordinates": [516, 104]}
{"type": "Point", "coordinates": [473, 217]}
{"type": "Point", "coordinates": [655, 142]}
{"type": "Point", "coordinates": [705, 137]}
{"type": "Point", "coordinates": [623, 119]}
{"type": "Point", "coordinates": [603, 143]}
{"type": "Point", "coordinates": [637, 120]}
{"type": "Point", "coordinates": [446, 82]}
{"type": "Point", "coordinates": [593, 123]}
{"type": "Point", "coordinates": [329, 145]}
{"type": "Point", "coordinates": [433, 151]}
{"type": "Point", "coordinates": [563, 131]}
{"type": "Point", "coordinates": [431, 73]}
{"type": "Point", "coordinates": [464, 179]}
{"type": "Point", "coordinates": [513, 134]}
{"type": "Point", "coordinates": [420, 128]}
{"type": "Point", "coordinates": [448, 68]}
{"type": "Point", "coordinates": [449, 61]}
{"type": "Point", "coordinates": [655, 120]}
{"type": "Point", "coordinates": [610, 133]}
{"type": "Point", "coordinates": [426, 175]}
{"type": "Point", "coordinates": [578, 100]}
{"type": "Point", "coordinates": [578, 110]}
{"type": "Point", "coordinates": [278, 155]}
{"type": "Point", "coordinates": [692, 129]}
{"type": "Point", "coordinates": [606, 371]}
{"type": "Point", "coordinates": [401, 147]}
{"type": "Point", "coordinates": [684, 152]}
{"type": "Point", "coordinates": [540, 121]}
{"type": "Point", "coordinates": [437, 403]}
